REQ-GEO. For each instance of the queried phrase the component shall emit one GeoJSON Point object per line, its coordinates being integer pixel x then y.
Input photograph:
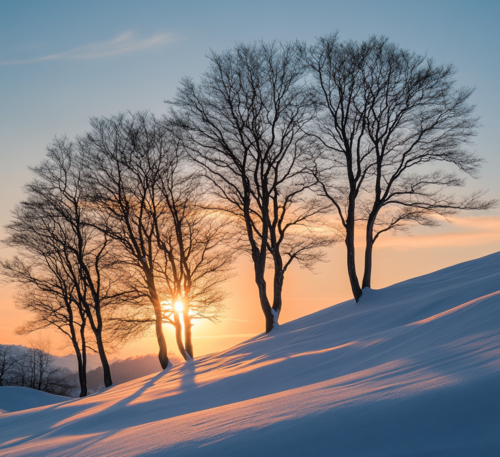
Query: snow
{"type": "Point", "coordinates": [276, 316]}
{"type": "Point", "coordinates": [20, 398]}
{"type": "Point", "coordinates": [410, 370]}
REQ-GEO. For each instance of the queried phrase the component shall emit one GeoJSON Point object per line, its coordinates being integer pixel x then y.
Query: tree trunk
{"type": "Point", "coordinates": [264, 302]}
{"type": "Point", "coordinates": [82, 375]}
{"type": "Point", "coordinates": [259, 268]}
{"type": "Point", "coordinates": [162, 344]}
{"type": "Point", "coordinates": [83, 379]}
{"type": "Point", "coordinates": [367, 277]}
{"type": "Point", "coordinates": [178, 334]}
{"type": "Point", "coordinates": [279, 277]}
{"type": "Point", "coordinates": [351, 261]}
{"type": "Point", "coordinates": [81, 356]}
{"type": "Point", "coordinates": [104, 360]}
{"type": "Point", "coordinates": [97, 329]}
{"type": "Point", "coordinates": [370, 241]}
{"type": "Point", "coordinates": [188, 341]}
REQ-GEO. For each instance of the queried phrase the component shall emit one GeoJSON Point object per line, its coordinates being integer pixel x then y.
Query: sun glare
{"type": "Point", "coordinates": [179, 307]}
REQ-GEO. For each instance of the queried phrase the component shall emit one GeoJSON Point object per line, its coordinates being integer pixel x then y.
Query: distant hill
{"type": "Point", "coordinates": [69, 361]}
{"type": "Point", "coordinates": [129, 369]}
{"type": "Point", "coordinates": [14, 399]}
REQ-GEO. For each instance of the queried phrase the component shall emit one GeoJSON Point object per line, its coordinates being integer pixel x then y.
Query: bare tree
{"type": "Point", "coordinates": [244, 125]}
{"type": "Point", "coordinates": [344, 159]}
{"type": "Point", "coordinates": [7, 363]}
{"type": "Point", "coordinates": [52, 228]}
{"type": "Point", "coordinates": [386, 115]}
{"type": "Point", "coordinates": [45, 290]}
{"type": "Point", "coordinates": [123, 168]}
{"type": "Point", "coordinates": [197, 245]}
{"type": "Point", "coordinates": [149, 202]}
{"type": "Point", "coordinates": [34, 369]}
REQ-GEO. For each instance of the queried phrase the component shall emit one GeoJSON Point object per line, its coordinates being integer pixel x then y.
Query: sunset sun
{"type": "Point", "coordinates": [179, 307]}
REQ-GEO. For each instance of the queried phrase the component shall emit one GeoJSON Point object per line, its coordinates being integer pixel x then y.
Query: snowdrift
{"type": "Point", "coordinates": [410, 370]}
{"type": "Point", "coordinates": [21, 398]}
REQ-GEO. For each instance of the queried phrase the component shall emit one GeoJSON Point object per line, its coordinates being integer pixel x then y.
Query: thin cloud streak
{"type": "Point", "coordinates": [122, 44]}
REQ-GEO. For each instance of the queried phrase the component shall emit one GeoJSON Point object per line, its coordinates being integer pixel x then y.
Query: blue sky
{"type": "Point", "coordinates": [62, 62]}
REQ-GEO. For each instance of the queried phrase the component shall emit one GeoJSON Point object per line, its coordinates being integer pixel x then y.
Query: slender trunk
{"type": "Point", "coordinates": [81, 356]}
{"type": "Point", "coordinates": [97, 329]}
{"type": "Point", "coordinates": [351, 259]}
{"type": "Point", "coordinates": [259, 264]}
{"type": "Point", "coordinates": [82, 375]}
{"type": "Point", "coordinates": [188, 341]}
{"type": "Point", "coordinates": [259, 269]}
{"type": "Point", "coordinates": [264, 302]}
{"type": "Point", "coordinates": [178, 334]}
{"type": "Point", "coordinates": [83, 382]}
{"type": "Point", "coordinates": [162, 344]}
{"type": "Point", "coordinates": [367, 276]}
{"type": "Point", "coordinates": [279, 276]}
{"type": "Point", "coordinates": [108, 382]}
{"type": "Point", "coordinates": [104, 360]}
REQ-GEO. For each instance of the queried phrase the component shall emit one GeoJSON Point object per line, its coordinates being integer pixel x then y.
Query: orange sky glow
{"type": "Point", "coordinates": [396, 258]}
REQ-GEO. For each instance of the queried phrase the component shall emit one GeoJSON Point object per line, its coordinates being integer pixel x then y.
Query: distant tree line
{"type": "Point", "coordinates": [33, 367]}
{"type": "Point", "coordinates": [278, 152]}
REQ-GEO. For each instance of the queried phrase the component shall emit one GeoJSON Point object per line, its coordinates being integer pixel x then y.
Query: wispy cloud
{"type": "Point", "coordinates": [123, 44]}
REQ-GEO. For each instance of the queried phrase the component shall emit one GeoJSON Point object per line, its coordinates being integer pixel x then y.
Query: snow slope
{"type": "Point", "coordinates": [19, 398]}
{"type": "Point", "coordinates": [411, 370]}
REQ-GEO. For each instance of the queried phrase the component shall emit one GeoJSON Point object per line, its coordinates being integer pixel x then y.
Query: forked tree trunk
{"type": "Point", "coordinates": [259, 269]}
{"type": "Point", "coordinates": [264, 302]}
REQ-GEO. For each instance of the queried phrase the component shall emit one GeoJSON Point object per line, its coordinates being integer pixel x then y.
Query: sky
{"type": "Point", "coordinates": [63, 62]}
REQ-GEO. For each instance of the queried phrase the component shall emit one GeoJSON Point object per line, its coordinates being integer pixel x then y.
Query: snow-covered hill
{"type": "Point", "coordinates": [411, 370]}
{"type": "Point", "coordinates": [20, 398]}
